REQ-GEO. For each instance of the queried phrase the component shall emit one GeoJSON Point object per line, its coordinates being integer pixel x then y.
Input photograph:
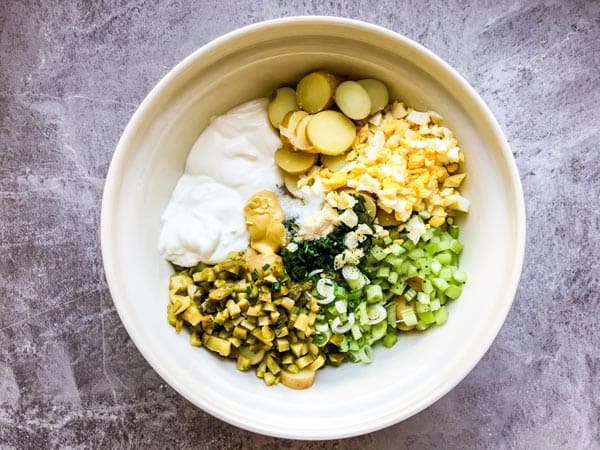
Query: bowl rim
{"type": "Point", "coordinates": [112, 188]}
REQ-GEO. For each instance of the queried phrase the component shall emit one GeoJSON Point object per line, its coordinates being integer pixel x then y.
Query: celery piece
{"type": "Point", "coordinates": [427, 317]}
{"type": "Point", "coordinates": [410, 294]}
{"type": "Point", "coordinates": [378, 331]}
{"type": "Point", "coordinates": [427, 287]}
{"type": "Point", "coordinates": [382, 272]}
{"type": "Point", "coordinates": [444, 258]}
{"type": "Point", "coordinates": [453, 231]}
{"type": "Point", "coordinates": [441, 316]}
{"type": "Point", "coordinates": [421, 308]}
{"type": "Point", "coordinates": [421, 326]}
{"type": "Point", "coordinates": [435, 305]}
{"type": "Point", "coordinates": [453, 291]}
{"type": "Point", "coordinates": [390, 339]}
{"type": "Point", "coordinates": [408, 317]}
{"type": "Point", "coordinates": [396, 249]}
{"type": "Point", "coordinates": [374, 293]}
{"type": "Point", "coordinates": [446, 273]}
{"type": "Point", "coordinates": [377, 253]}
{"type": "Point", "coordinates": [440, 283]}
{"type": "Point", "coordinates": [398, 289]}
{"type": "Point", "coordinates": [423, 298]}
{"type": "Point", "coordinates": [459, 276]}
{"type": "Point", "coordinates": [395, 261]}
{"type": "Point", "coordinates": [391, 314]}
{"type": "Point", "coordinates": [456, 247]}
{"type": "Point", "coordinates": [436, 266]}
{"type": "Point", "coordinates": [392, 278]}
{"type": "Point", "coordinates": [416, 253]}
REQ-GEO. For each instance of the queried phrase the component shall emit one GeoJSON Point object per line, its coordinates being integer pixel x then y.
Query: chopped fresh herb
{"type": "Point", "coordinates": [254, 275]}
{"type": "Point", "coordinates": [266, 267]}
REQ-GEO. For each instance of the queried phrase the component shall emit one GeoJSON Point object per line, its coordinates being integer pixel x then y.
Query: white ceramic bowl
{"type": "Point", "coordinates": [149, 159]}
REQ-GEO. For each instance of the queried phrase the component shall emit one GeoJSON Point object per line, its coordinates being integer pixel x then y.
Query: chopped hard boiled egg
{"type": "Point", "coordinates": [406, 159]}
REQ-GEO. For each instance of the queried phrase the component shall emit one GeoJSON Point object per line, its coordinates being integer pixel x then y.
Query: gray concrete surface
{"type": "Point", "coordinates": [71, 75]}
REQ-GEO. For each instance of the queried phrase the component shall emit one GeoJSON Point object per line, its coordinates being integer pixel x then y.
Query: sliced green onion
{"type": "Point", "coordinates": [338, 327]}
{"type": "Point", "coordinates": [376, 314]}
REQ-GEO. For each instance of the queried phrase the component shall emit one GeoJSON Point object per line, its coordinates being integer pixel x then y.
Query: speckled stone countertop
{"type": "Point", "coordinates": [71, 75]}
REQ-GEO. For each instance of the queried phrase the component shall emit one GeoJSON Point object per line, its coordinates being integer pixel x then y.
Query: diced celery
{"type": "Point", "coordinates": [416, 253]}
{"type": "Point", "coordinates": [383, 272]}
{"type": "Point", "coordinates": [374, 293]}
{"type": "Point", "coordinates": [399, 288]}
{"type": "Point", "coordinates": [390, 339]}
{"type": "Point", "coordinates": [459, 276]}
{"type": "Point", "coordinates": [446, 273]}
{"type": "Point", "coordinates": [410, 294]}
{"type": "Point", "coordinates": [440, 283]}
{"type": "Point", "coordinates": [395, 261]}
{"type": "Point", "coordinates": [423, 298]}
{"type": "Point", "coordinates": [435, 305]}
{"type": "Point", "coordinates": [377, 253]}
{"type": "Point", "coordinates": [453, 291]}
{"type": "Point", "coordinates": [391, 314]}
{"type": "Point", "coordinates": [397, 249]}
{"type": "Point", "coordinates": [444, 258]}
{"type": "Point", "coordinates": [392, 278]}
{"type": "Point", "coordinates": [422, 326]}
{"type": "Point", "coordinates": [441, 315]}
{"type": "Point", "coordinates": [427, 287]}
{"type": "Point", "coordinates": [378, 331]}
{"type": "Point", "coordinates": [421, 307]}
{"type": "Point", "coordinates": [427, 317]}
{"type": "Point", "coordinates": [453, 231]}
{"type": "Point", "coordinates": [456, 247]}
{"type": "Point", "coordinates": [408, 317]}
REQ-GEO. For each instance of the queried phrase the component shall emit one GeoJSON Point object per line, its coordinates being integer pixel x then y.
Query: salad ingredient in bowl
{"type": "Point", "coordinates": [359, 245]}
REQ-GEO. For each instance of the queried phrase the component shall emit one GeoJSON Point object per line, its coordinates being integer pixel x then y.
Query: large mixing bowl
{"type": "Point", "coordinates": [150, 157]}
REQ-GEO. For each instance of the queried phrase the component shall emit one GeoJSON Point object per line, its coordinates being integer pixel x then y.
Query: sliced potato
{"type": "Point", "coordinates": [287, 128]}
{"type": "Point", "coordinates": [282, 102]}
{"type": "Point", "coordinates": [300, 138]}
{"type": "Point", "coordinates": [301, 380]}
{"type": "Point", "coordinates": [331, 132]}
{"type": "Point", "coordinates": [335, 163]}
{"type": "Point", "coordinates": [290, 182]}
{"type": "Point", "coordinates": [353, 100]}
{"type": "Point", "coordinates": [315, 91]}
{"type": "Point", "coordinates": [378, 93]}
{"type": "Point", "coordinates": [387, 219]}
{"type": "Point", "coordinates": [294, 162]}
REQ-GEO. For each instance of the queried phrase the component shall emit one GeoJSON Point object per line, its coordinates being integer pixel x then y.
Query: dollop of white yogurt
{"type": "Point", "coordinates": [237, 149]}
{"type": "Point", "coordinates": [203, 222]}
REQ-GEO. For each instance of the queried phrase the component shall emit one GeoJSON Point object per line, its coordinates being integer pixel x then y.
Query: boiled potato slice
{"type": "Point", "coordinates": [353, 100]}
{"type": "Point", "coordinates": [287, 128]}
{"type": "Point", "coordinates": [378, 94]}
{"type": "Point", "coordinates": [315, 91]}
{"type": "Point", "coordinates": [386, 219]}
{"type": "Point", "coordinates": [283, 101]}
{"type": "Point", "coordinates": [290, 181]}
{"type": "Point", "coordinates": [300, 140]}
{"type": "Point", "coordinates": [331, 132]}
{"type": "Point", "coordinates": [294, 162]}
{"type": "Point", "coordinates": [301, 380]}
{"type": "Point", "coordinates": [334, 163]}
